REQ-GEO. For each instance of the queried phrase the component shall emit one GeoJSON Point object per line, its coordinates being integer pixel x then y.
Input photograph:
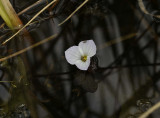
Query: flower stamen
{"type": "Point", "coordinates": [84, 58]}
{"type": "Point", "coordinates": [81, 55]}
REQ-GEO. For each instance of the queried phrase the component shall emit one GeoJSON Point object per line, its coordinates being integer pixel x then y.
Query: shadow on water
{"type": "Point", "coordinates": [122, 80]}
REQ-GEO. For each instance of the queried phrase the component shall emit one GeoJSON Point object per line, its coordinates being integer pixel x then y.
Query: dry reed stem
{"type": "Point", "coordinates": [73, 12]}
{"type": "Point", "coordinates": [29, 24]}
{"type": "Point", "coordinates": [117, 40]}
{"type": "Point", "coordinates": [28, 48]}
{"type": "Point", "coordinates": [29, 21]}
{"type": "Point", "coordinates": [149, 111]}
{"type": "Point", "coordinates": [6, 81]}
{"type": "Point", "coordinates": [28, 8]}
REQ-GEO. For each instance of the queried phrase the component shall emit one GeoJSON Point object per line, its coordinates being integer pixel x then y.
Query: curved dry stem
{"type": "Point", "coordinates": [28, 48]}
{"type": "Point", "coordinates": [152, 109]}
{"type": "Point", "coordinates": [29, 21]}
{"type": "Point", "coordinates": [74, 12]}
{"type": "Point", "coordinates": [142, 7]}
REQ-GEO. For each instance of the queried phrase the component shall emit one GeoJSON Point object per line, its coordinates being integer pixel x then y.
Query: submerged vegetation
{"type": "Point", "coordinates": [120, 81]}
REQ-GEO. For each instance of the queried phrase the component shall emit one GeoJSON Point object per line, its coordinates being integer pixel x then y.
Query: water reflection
{"type": "Point", "coordinates": [125, 79]}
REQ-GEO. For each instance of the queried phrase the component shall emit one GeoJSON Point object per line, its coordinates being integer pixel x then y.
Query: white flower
{"type": "Point", "coordinates": [80, 55]}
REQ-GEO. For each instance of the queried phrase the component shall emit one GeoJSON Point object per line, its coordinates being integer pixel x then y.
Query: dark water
{"type": "Point", "coordinates": [123, 80]}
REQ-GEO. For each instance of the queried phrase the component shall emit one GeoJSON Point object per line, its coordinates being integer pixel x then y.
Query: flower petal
{"type": "Point", "coordinates": [72, 55]}
{"type": "Point", "coordinates": [88, 47]}
{"type": "Point", "coordinates": [83, 65]}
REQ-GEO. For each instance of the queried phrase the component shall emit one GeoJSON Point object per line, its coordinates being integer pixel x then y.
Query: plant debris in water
{"type": "Point", "coordinates": [20, 112]}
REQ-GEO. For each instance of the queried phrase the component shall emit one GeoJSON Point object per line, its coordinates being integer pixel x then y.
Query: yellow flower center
{"type": "Point", "coordinates": [84, 58]}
